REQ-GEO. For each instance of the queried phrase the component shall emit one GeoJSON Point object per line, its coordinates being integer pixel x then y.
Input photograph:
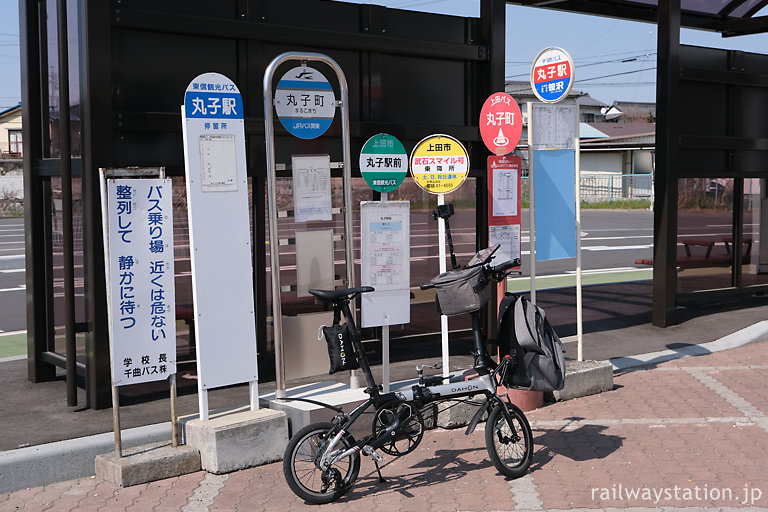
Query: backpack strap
{"type": "Point", "coordinates": [507, 302]}
{"type": "Point", "coordinates": [525, 326]}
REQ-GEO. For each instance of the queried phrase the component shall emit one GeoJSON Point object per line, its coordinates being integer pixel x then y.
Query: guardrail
{"type": "Point", "coordinates": [609, 187]}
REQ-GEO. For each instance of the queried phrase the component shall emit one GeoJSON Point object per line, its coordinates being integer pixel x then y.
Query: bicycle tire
{"type": "Point", "coordinates": [509, 446]}
{"type": "Point", "coordinates": [300, 464]}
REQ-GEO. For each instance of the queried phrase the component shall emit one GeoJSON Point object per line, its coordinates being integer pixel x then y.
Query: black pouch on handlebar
{"type": "Point", "coordinates": [462, 291]}
{"type": "Point", "coordinates": [341, 351]}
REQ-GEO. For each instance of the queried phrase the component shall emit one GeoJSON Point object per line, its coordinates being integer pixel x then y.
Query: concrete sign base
{"type": "Point", "coordinates": [147, 463]}
{"type": "Point", "coordinates": [233, 439]}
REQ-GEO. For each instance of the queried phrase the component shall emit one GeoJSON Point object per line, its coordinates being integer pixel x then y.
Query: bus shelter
{"type": "Point", "coordinates": [103, 83]}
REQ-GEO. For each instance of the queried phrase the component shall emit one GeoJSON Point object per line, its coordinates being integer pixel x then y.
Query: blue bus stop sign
{"type": "Point", "coordinates": [305, 102]}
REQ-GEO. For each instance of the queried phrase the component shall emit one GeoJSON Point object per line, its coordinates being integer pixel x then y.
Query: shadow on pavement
{"type": "Point", "coordinates": [586, 442]}
{"type": "Point", "coordinates": [443, 466]}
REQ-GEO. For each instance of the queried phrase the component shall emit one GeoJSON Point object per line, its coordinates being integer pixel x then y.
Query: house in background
{"type": "Point", "coordinates": [590, 109]}
{"type": "Point", "coordinates": [10, 133]}
{"type": "Point", "coordinates": [630, 112]}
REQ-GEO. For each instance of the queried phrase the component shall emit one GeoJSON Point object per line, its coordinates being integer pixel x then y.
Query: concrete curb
{"type": "Point", "coordinates": [12, 262]}
{"type": "Point", "coordinates": [66, 460]}
{"type": "Point", "coordinates": [751, 334]}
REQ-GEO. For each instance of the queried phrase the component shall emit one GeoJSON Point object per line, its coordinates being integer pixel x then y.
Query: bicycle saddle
{"type": "Point", "coordinates": [337, 295]}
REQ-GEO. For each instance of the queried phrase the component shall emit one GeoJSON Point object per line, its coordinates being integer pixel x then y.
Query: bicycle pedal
{"type": "Point", "coordinates": [368, 450]}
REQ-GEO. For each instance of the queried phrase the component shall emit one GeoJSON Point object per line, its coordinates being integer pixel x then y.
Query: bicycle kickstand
{"type": "Point", "coordinates": [376, 459]}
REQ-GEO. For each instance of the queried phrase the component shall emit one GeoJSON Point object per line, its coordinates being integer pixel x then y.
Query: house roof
{"type": "Point", "coordinates": [522, 92]}
{"type": "Point", "coordinates": [625, 129]}
{"type": "Point", "coordinates": [11, 110]}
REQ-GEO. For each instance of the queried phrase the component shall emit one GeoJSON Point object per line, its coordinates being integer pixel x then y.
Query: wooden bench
{"type": "Point", "coordinates": [692, 260]}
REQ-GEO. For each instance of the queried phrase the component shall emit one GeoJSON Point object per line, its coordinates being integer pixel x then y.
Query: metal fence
{"type": "Point", "coordinates": [609, 187]}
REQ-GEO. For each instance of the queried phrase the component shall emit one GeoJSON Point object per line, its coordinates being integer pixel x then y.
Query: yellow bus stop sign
{"type": "Point", "coordinates": [439, 164]}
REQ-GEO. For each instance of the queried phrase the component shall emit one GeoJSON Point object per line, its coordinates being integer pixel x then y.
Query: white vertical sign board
{"type": "Point", "coordinates": [385, 262]}
{"type": "Point", "coordinates": [142, 311]}
{"type": "Point", "coordinates": [219, 233]}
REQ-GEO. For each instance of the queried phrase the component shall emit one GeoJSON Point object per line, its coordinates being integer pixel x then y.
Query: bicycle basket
{"type": "Point", "coordinates": [462, 291]}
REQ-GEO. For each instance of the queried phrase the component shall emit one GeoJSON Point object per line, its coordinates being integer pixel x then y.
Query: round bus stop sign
{"type": "Point", "coordinates": [439, 164]}
{"type": "Point", "coordinates": [383, 162]}
{"type": "Point", "coordinates": [552, 74]}
{"type": "Point", "coordinates": [305, 102]}
{"type": "Point", "coordinates": [501, 123]}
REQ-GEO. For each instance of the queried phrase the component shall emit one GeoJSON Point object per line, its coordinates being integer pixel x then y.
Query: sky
{"type": "Point", "coordinates": [615, 60]}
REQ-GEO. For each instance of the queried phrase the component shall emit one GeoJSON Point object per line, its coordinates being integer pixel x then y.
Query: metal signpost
{"type": "Point", "coordinates": [554, 128]}
{"type": "Point", "coordinates": [439, 164]}
{"type": "Point", "coordinates": [137, 218]}
{"type": "Point", "coordinates": [301, 100]}
{"type": "Point", "coordinates": [385, 242]}
{"type": "Point", "coordinates": [501, 125]}
{"type": "Point", "coordinates": [219, 237]}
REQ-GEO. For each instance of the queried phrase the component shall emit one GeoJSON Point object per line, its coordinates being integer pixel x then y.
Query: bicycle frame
{"type": "Point", "coordinates": [485, 384]}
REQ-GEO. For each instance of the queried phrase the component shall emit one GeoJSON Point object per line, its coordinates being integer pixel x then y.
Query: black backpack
{"type": "Point", "coordinates": [524, 333]}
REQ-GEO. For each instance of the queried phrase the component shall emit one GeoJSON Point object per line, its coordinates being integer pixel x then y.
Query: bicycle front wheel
{"type": "Point", "coordinates": [302, 459]}
{"type": "Point", "coordinates": [510, 445]}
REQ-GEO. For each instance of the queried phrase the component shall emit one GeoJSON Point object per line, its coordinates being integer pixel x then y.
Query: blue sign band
{"type": "Point", "coordinates": [386, 226]}
{"type": "Point", "coordinates": [306, 128]}
{"type": "Point", "coordinates": [301, 84]}
{"type": "Point", "coordinates": [213, 105]}
{"type": "Point", "coordinates": [553, 90]}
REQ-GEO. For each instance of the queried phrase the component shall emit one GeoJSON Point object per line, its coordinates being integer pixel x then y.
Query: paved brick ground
{"type": "Point", "coordinates": [683, 435]}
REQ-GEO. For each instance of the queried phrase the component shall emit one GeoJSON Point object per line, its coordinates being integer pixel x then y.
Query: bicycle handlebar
{"type": "Point", "coordinates": [506, 265]}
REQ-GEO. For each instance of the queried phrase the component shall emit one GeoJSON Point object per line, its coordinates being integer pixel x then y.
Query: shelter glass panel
{"type": "Point", "coordinates": [704, 234]}
{"type": "Point", "coordinates": [754, 255]}
{"type": "Point", "coordinates": [56, 266]}
{"type": "Point", "coordinates": [50, 75]}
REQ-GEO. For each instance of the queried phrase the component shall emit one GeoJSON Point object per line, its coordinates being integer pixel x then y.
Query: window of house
{"type": "Point", "coordinates": [14, 142]}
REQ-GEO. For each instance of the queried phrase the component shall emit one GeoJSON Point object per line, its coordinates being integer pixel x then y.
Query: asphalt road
{"type": "Point", "coordinates": [611, 239]}
{"type": "Point", "coordinates": [12, 296]}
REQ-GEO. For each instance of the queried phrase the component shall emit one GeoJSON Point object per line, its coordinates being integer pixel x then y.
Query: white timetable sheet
{"type": "Point", "coordinates": [311, 187]}
{"type": "Point", "coordinates": [218, 164]}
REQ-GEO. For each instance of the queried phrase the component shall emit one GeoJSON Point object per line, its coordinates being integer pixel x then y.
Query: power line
{"type": "Point", "coordinates": [615, 74]}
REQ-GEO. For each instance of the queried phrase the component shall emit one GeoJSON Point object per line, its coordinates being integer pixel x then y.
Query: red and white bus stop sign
{"type": "Point", "coordinates": [501, 123]}
{"type": "Point", "coordinates": [552, 74]}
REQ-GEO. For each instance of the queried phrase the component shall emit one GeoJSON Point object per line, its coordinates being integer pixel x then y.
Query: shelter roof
{"type": "Point", "coordinates": [730, 17]}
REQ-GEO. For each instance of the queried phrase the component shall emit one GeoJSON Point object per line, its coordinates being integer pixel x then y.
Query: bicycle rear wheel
{"type": "Point", "coordinates": [301, 465]}
{"type": "Point", "coordinates": [510, 446]}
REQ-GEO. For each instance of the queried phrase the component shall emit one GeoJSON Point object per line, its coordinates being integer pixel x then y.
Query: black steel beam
{"type": "Point", "coordinates": [171, 122]}
{"type": "Point", "coordinates": [744, 26]}
{"type": "Point", "coordinates": [724, 77]}
{"type": "Point", "coordinates": [96, 108]}
{"type": "Point", "coordinates": [235, 29]}
{"type": "Point", "coordinates": [34, 197]}
{"type": "Point", "coordinates": [625, 10]}
{"type": "Point", "coordinates": [667, 159]}
{"type": "Point", "coordinates": [723, 143]}
{"type": "Point", "coordinates": [65, 149]}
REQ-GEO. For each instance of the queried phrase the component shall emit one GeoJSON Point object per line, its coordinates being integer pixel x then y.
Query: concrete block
{"type": "Point", "coordinates": [147, 463]}
{"type": "Point", "coordinates": [584, 378]}
{"type": "Point", "coordinates": [449, 414]}
{"type": "Point", "coordinates": [301, 414]}
{"type": "Point", "coordinates": [238, 438]}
